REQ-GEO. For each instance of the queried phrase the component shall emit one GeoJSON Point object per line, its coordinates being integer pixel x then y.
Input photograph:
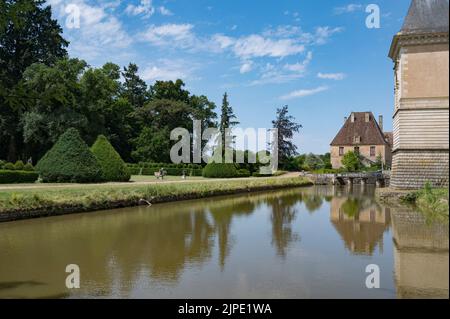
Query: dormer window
{"type": "Point", "coordinates": [357, 139]}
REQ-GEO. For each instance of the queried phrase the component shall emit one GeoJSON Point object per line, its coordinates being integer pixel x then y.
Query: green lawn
{"type": "Point", "coordinates": [93, 197]}
{"type": "Point", "coordinates": [142, 178]}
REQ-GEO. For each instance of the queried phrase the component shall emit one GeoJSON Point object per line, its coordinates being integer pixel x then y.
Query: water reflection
{"type": "Point", "coordinates": [360, 222]}
{"type": "Point", "coordinates": [271, 244]}
{"type": "Point", "coordinates": [283, 213]}
{"type": "Point", "coordinates": [420, 255]}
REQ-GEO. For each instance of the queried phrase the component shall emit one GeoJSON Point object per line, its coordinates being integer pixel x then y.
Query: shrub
{"type": "Point", "coordinates": [314, 162]}
{"type": "Point", "coordinates": [113, 167]}
{"type": "Point", "coordinates": [18, 166]}
{"type": "Point", "coordinates": [2, 163]}
{"type": "Point", "coordinates": [243, 173]}
{"type": "Point", "coordinates": [28, 167]}
{"type": "Point", "coordinates": [219, 170]}
{"type": "Point", "coordinates": [13, 177]}
{"type": "Point", "coordinates": [9, 167]}
{"type": "Point", "coordinates": [69, 160]}
{"type": "Point", "coordinates": [351, 162]}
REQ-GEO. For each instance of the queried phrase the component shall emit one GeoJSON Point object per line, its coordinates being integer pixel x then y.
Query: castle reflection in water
{"type": "Point", "coordinates": [420, 246]}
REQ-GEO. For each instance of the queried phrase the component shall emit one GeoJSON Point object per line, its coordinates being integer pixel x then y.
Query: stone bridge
{"type": "Point", "coordinates": [381, 179]}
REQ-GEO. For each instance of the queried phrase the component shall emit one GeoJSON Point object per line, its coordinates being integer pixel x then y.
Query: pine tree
{"type": "Point", "coordinates": [286, 129]}
{"type": "Point", "coordinates": [135, 89]}
{"type": "Point", "coordinates": [227, 121]}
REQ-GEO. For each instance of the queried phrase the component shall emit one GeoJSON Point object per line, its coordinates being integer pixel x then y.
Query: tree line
{"type": "Point", "coordinates": [43, 92]}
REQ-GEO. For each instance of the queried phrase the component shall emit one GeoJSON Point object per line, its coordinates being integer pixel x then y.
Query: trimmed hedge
{"type": "Point", "coordinates": [113, 167]}
{"type": "Point", "coordinates": [9, 167]}
{"type": "Point", "coordinates": [244, 173]}
{"type": "Point", "coordinates": [14, 177]}
{"type": "Point", "coordinates": [220, 170]}
{"type": "Point", "coordinates": [18, 166]}
{"type": "Point", "coordinates": [28, 167]}
{"type": "Point", "coordinates": [69, 161]}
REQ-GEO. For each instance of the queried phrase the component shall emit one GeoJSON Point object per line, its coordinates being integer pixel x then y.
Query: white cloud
{"type": "Point", "coordinates": [303, 93]}
{"type": "Point", "coordinates": [100, 33]}
{"type": "Point", "coordinates": [320, 35]}
{"type": "Point", "coordinates": [164, 11]}
{"type": "Point", "coordinates": [324, 33]}
{"type": "Point", "coordinates": [179, 35]}
{"type": "Point", "coordinates": [277, 43]}
{"type": "Point", "coordinates": [331, 76]}
{"type": "Point", "coordinates": [300, 67]}
{"type": "Point", "coordinates": [246, 67]}
{"type": "Point", "coordinates": [283, 31]}
{"type": "Point", "coordinates": [166, 70]}
{"type": "Point", "coordinates": [348, 8]}
{"type": "Point", "coordinates": [257, 46]}
{"type": "Point", "coordinates": [289, 72]}
{"type": "Point", "coordinates": [246, 47]}
{"type": "Point", "coordinates": [145, 8]}
{"type": "Point", "coordinates": [223, 41]}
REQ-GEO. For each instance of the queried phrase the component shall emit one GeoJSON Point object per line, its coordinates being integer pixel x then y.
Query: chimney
{"type": "Point", "coordinates": [380, 122]}
{"type": "Point", "coordinates": [353, 117]}
{"type": "Point", "coordinates": [367, 116]}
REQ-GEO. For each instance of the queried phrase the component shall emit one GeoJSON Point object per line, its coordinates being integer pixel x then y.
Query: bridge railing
{"type": "Point", "coordinates": [378, 175]}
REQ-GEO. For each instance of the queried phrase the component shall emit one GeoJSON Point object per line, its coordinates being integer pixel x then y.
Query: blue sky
{"type": "Point", "coordinates": [318, 57]}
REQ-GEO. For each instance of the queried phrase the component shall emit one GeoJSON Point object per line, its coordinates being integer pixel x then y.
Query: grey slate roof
{"type": "Point", "coordinates": [427, 16]}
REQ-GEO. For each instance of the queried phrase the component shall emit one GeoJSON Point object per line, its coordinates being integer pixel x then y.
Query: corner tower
{"type": "Point", "coordinates": [421, 115]}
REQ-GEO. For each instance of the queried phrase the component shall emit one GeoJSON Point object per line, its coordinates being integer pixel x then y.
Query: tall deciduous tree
{"type": "Point", "coordinates": [170, 106]}
{"type": "Point", "coordinates": [28, 35]}
{"type": "Point", "coordinates": [287, 127]}
{"type": "Point", "coordinates": [53, 106]}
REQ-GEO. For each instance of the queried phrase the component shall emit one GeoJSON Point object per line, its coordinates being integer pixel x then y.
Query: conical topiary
{"type": "Point", "coordinates": [69, 161]}
{"type": "Point", "coordinates": [113, 167]}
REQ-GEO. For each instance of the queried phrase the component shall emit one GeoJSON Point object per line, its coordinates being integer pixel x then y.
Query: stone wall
{"type": "Point", "coordinates": [411, 169]}
{"type": "Point", "coordinates": [364, 150]}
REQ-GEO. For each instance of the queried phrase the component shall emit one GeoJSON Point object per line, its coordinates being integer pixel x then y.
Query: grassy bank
{"type": "Point", "coordinates": [432, 201]}
{"type": "Point", "coordinates": [17, 204]}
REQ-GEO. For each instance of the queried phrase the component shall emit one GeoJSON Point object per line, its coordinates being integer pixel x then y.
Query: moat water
{"type": "Point", "coordinates": [299, 243]}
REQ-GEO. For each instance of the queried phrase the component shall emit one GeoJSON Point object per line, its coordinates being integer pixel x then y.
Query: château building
{"type": "Point", "coordinates": [421, 112]}
{"type": "Point", "coordinates": [362, 134]}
